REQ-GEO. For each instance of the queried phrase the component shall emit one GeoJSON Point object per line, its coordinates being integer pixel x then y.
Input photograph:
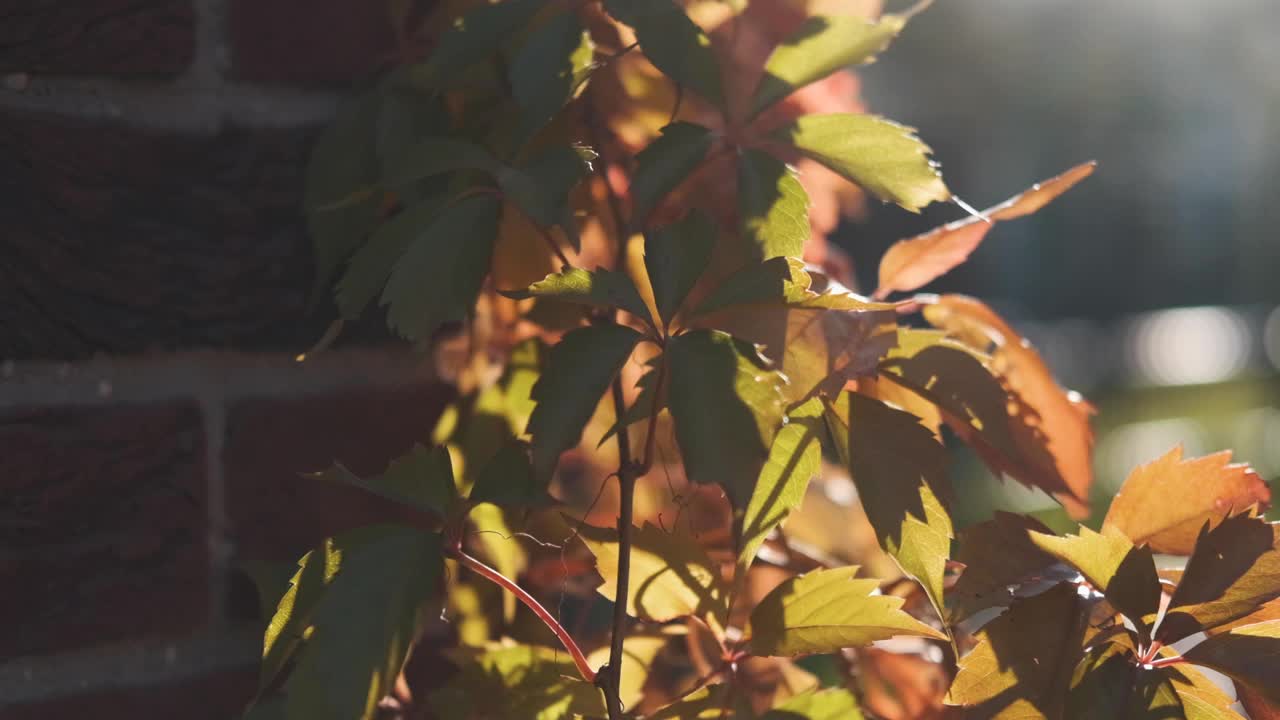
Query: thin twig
{"type": "Point", "coordinates": [532, 603]}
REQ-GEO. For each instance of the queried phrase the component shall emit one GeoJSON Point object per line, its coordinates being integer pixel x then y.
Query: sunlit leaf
{"type": "Point", "coordinates": [779, 281]}
{"type": "Point", "coordinates": [421, 478]}
{"type": "Point", "coordinates": [1249, 654]}
{"type": "Point", "coordinates": [773, 206]}
{"type": "Point", "coordinates": [1207, 489]}
{"type": "Point", "coordinates": [703, 704]}
{"type": "Point", "coordinates": [727, 407]}
{"type": "Point", "coordinates": [916, 261]}
{"type": "Point", "coordinates": [899, 468]}
{"type": "Point", "coordinates": [1201, 697]}
{"type": "Point", "coordinates": [545, 70]}
{"type": "Point", "coordinates": [664, 163]}
{"type": "Point", "coordinates": [793, 460]}
{"type": "Point", "coordinates": [578, 372]}
{"type": "Point", "coordinates": [437, 155]}
{"type": "Point", "coordinates": [673, 43]}
{"type": "Point", "coordinates": [998, 554]}
{"type": "Point", "coordinates": [819, 47]}
{"type": "Point", "coordinates": [1126, 574]}
{"type": "Point", "coordinates": [827, 610]}
{"type": "Point", "coordinates": [473, 37]}
{"type": "Point", "coordinates": [671, 576]}
{"type": "Point", "coordinates": [292, 617]}
{"type": "Point", "coordinates": [833, 704]}
{"type": "Point", "coordinates": [1234, 570]}
{"type": "Point", "coordinates": [519, 682]}
{"type": "Point", "coordinates": [364, 623]}
{"type": "Point", "coordinates": [602, 288]}
{"type": "Point", "coordinates": [638, 652]}
{"type": "Point", "coordinates": [440, 274]}
{"type": "Point", "coordinates": [883, 157]}
{"type": "Point", "coordinates": [675, 257]}
{"type": "Point", "coordinates": [1001, 425]}
{"type": "Point", "coordinates": [1024, 660]}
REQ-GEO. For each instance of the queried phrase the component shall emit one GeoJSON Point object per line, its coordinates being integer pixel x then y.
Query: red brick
{"type": "Point", "coordinates": [277, 515]}
{"type": "Point", "coordinates": [216, 696]}
{"type": "Point", "coordinates": [122, 241]}
{"type": "Point", "coordinates": [309, 42]}
{"type": "Point", "coordinates": [97, 37]}
{"type": "Point", "coordinates": [103, 527]}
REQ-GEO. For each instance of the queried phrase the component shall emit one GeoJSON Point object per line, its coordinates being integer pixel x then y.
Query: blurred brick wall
{"type": "Point", "coordinates": [155, 276]}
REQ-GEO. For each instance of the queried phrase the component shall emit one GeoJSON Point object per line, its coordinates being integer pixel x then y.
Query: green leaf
{"type": "Point", "coordinates": [602, 289]}
{"type": "Point", "coordinates": [421, 479]}
{"type": "Point", "coordinates": [780, 280]}
{"type": "Point", "coordinates": [822, 45]}
{"type": "Point", "coordinates": [373, 263]}
{"type": "Point", "coordinates": [997, 554]}
{"type": "Point", "coordinates": [727, 406]}
{"type": "Point", "coordinates": [675, 257]}
{"type": "Point", "coordinates": [540, 186]}
{"type": "Point", "coordinates": [773, 205]}
{"type": "Point", "coordinates": [834, 704]}
{"type": "Point", "coordinates": [793, 461]}
{"type": "Point", "coordinates": [671, 575]}
{"type": "Point", "coordinates": [1235, 569]}
{"type": "Point", "coordinates": [432, 156]}
{"type": "Point", "coordinates": [638, 653]}
{"type": "Point", "coordinates": [900, 469]}
{"type": "Point", "coordinates": [340, 206]}
{"type": "Point", "coordinates": [288, 626]}
{"type": "Point", "coordinates": [826, 610]}
{"type": "Point", "coordinates": [365, 622]}
{"type": "Point", "coordinates": [473, 37]}
{"type": "Point", "coordinates": [673, 43]}
{"type": "Point", "coordinates": [545, 70]}
{"type": "Point", "coordinates": [508, 480]}
{"type": "Point", "coordinates": [885, 158]}
{"type": "Point", "coordinates": [1249, 654]}
{"type": "Point", "coordinates": [517, 683]}
{"type": "Point", "coordinates": [1024, 660]}
{"type": "Point", "coordinates": [577, 373]}
{"type": "Point", "coordinates": [439, 276]}
{"type": "Point", "coordinates": [666, 161]}
{"type": "Point", "coordinates": [1127, 575]}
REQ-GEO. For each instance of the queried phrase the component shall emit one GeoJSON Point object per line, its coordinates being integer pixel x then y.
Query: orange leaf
{"type": "Point", "coordinates": [913, 262]}
{"type": "Point", "coordinates": [1050, 419]}
{"type": "Point", "coordinates": [1206, 489]}
{"type": "Point", "coordinates": [903, 686]}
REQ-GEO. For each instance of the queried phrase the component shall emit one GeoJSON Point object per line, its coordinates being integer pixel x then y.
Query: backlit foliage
{"type": "Point", "coordinates": [689, 472]}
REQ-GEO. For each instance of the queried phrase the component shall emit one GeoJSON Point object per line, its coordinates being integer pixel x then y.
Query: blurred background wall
{"type": "Point", "coordinates": [1152, 287]}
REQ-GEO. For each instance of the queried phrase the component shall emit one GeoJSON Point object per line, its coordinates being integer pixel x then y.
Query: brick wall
{"type": "Point", "coordinates": [155, 279]}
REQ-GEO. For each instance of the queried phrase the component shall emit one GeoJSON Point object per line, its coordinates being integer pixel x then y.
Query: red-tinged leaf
{"type": "Point", "coordinates": [980, 410]}
{"type": "Point", "coordinates": [903, 686]}
{"type": "Point", "coordinates": [1256, 704]}
{"type": "Point", "coordinates": [1050, 421]}
{"type": "Point", "coordinates": [998, 556]}
{"type": "Point", "coordinates": [1234, 570]}
{"type": "Point", "coordinates": [1024, 660]}
{"type": "Point", "coordinates": [1126, 574]}
{"type": "Point", "coordinates": [914, 262]}
{"type": "Point", "coordinates": [1267, 611]}
{"type": "Point", "coordinates": [1249, 654]}
{"type": "Point", "coordinates": [1208, 489]}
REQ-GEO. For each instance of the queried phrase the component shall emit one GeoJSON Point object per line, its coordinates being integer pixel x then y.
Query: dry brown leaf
{"type": "Point", "coordinates": [1206, 489]}
{"type": "Point", "coordinates": [913, 262]}
{"type": "Point", "coordinates": [1051, 419]}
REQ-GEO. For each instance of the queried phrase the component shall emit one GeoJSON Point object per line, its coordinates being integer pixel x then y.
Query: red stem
{"type": "Point", "coordinates": [532, 603]}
